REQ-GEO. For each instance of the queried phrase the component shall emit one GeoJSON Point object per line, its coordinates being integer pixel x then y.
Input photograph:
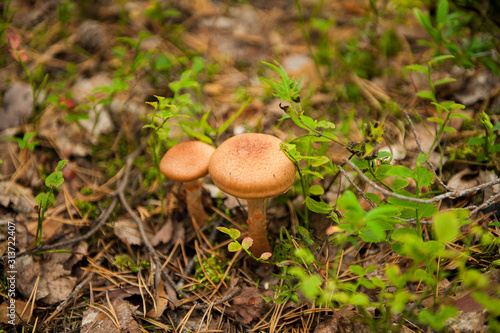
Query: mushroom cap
{"type": "Point", "coordinates": [252, 166]}
{"type": "Point", "coordinates": [186, 161]}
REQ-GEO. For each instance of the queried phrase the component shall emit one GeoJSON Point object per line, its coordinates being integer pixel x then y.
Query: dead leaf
{"type": "Point", "coordinates": [56, 282]}
{"type": "Point", "coordinates": [97, 321]}
{"type": "Point", "coordinates": [465, 179]}
{"type": "Point", "coordinates": [19, 198]}
{"type": "Point", "coordinates": [164, 235]}
{"type": "Point", "coordinates": [126, 230]}
{"type": "Point", "coordinates": [7, 313]}
{"type": "Point", "coordinates": [161, 302]}
{"type": "Point", "coordinates": [248, 305]}
{"type": "Point", "coordinates": [17, 105]}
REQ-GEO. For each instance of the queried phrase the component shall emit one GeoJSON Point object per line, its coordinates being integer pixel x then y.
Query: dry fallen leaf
{"type": "Point", "coordinates": [161, 302]}
{"type": "Point", "coordinates": [55, 281]}
{"type": "Point", "coordinates": [248, 305]}
{"type": "Point", "coordinates": [6, 314]}
{"type": "Point", "coordinates": [164, 235]}
{"type": "Point", "coordinates": [126, 230]}
{"type": "Point", "coordinates": [97, 321]}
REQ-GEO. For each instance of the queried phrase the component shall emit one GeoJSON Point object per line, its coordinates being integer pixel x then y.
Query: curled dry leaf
{"type": "Point", "coordinates": [126, 230]}
{"type": "Point", "coordinates": [464, 180]}
{"type": "Point", "coordinates": [6, 314]}
{"type": "Point", "coordinates": [99, 321]}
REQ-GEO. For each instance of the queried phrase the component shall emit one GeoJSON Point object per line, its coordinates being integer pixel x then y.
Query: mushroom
{"type": "Point", "coordinates": [186, 163]}
{"type": "Point", "coordinates": [253, 167]}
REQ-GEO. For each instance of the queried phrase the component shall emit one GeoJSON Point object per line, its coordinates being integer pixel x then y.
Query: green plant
{"type": "Point", "coordinates": [487, 141]}
{"type": "Point", "coordinates": [450, 32]}
{"type": "Point", "coordinates": [352, 225]}
{"type": "Point", "coordinates": [124, 261]}
{"type": "Point", "coordinates": [244, 245]}
{"type": "Point", "coordinates": [25, 142]}
{"type": "Point", "coordinates": [209, 270]}
{"type": "Point", "coordinates": [45, 199]}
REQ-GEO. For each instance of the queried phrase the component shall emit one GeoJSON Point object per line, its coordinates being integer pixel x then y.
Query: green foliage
{"type": "Point", "coordinates": [210, 270]}
{"type": "Point", "coordinates": [451, 32]}
{"type": "Point", "coordinates": [245, 244]}
{"type": "Point", "coordinates": [300, 270]}
{"type": "Point", "coordinates": [25, 142]}
{"type": "Point", "coordinates": [125, 262]}
{"type": "Point", "coordinates": [46, 199]}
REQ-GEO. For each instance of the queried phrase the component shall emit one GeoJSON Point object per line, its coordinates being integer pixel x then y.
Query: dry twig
{"type": "Point", "coordinates": [448, 195]}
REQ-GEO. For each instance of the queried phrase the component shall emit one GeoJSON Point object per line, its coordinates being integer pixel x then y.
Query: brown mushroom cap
{"type": "Point", "coordinates": [186, 161]}
{"type": "Point", "coordinates": [251, 166]}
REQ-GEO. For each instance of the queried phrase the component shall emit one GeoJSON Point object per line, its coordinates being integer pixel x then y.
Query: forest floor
{"type": "Point", "coordinates": [117, 250]}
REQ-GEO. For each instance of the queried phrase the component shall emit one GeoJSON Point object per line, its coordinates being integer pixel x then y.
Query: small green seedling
{"type": "Point", "coordinates": [45, 199]}
{"type": "Point", "coordinates": [25, 141]}
{"type": "Point", "coordinates": [245, 244]}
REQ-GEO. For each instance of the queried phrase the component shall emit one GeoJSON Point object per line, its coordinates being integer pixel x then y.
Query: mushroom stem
{"type": "Point", "coordinates": [257, 226]}
{"type": "Point", "coordinates": [194, 203]}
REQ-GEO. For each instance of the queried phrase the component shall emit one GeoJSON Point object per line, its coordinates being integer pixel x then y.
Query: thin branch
{"type": "Point", "coordinates": [232, 294]}
{"type": "Point", "coordinates": [451, 195]}
{"type": "Point", "coordinates": [428, 162]}
{"type": "Point", "coordinates": [356, 187]}
{"type": "Point", "coordinates": [487, 203]}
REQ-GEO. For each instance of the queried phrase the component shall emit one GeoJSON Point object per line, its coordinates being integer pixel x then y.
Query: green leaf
{"type": "Point", "coordinates": [399, 183]}
{"type": "Point", "coordinates": [400, 234]}
{"type": "Point", "coordinates": [400, 171]}
{"type": "Point", "coordinates": [311, 286]}
{"type": "Point", "coordinates": [475, 141]}
{"type": "Point", "coordinates": [361, 163]}
{"type": "Point", "coordinates": [446, 225]}
{"type": "Point", "coordinates": [197, 135]}
{"type": "Point", "coordinates": [436, 120]}
{"type": "Point", "coordinates": [422, 158]}
{"type": "Point", "coordinates": [437, 320]}
{"type": "Point", "coordinates": [305, 235]}
{"type": "Point", "coordinates": [234, 246]}
{"type": "Point", "coordinates": [444, 81]}
{"type": "Point", "coordinates": [423, 176]}
{"type": "Point", "coordinates": [233, 233]}
{"type": "Point", "coordinates": [247, 242]}
{"type": "Point", "coordinates": [373, 233]}
{"type": "Point", "coordinates": [266, 255]}
{"type": "Point", "coordinates": [56, 178]}
{"type": "Point", "coordinates": [316, 190]}
{"type": "Point", "coordinates": [442, 13]}
{"type": "Point", "coordinates": [417, 68]}
{"type": "Point", "coordinates": [441, 58]}
{"type": "Point", "coordinates": [318, 207]}
{"type": "Point", "coordinates": [326, 124]}
{"type": "Point", "coordinates": [357, 270]}
{"type": "Point", "coordinates": [228, 122]}
{"type": "Point", "coordinates": [44, 199]}
{"type": "Point", "coordinates": [319, 160]}
{"type": "Point", "coordinates": [425, 94]}
{"type": "Point", "coordinates": [460, 115]}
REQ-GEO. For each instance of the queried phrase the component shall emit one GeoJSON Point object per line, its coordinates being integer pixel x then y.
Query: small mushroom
{"type": "Point", "coordinates": [253, 167]}
{"type": "Point", "coordinates": [186, 163]}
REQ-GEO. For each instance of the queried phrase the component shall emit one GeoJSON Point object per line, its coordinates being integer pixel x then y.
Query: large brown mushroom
{"type": "Point", "coordinates": [186, 163]}
{"type": "Point", "coordinates": [253, 167]}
